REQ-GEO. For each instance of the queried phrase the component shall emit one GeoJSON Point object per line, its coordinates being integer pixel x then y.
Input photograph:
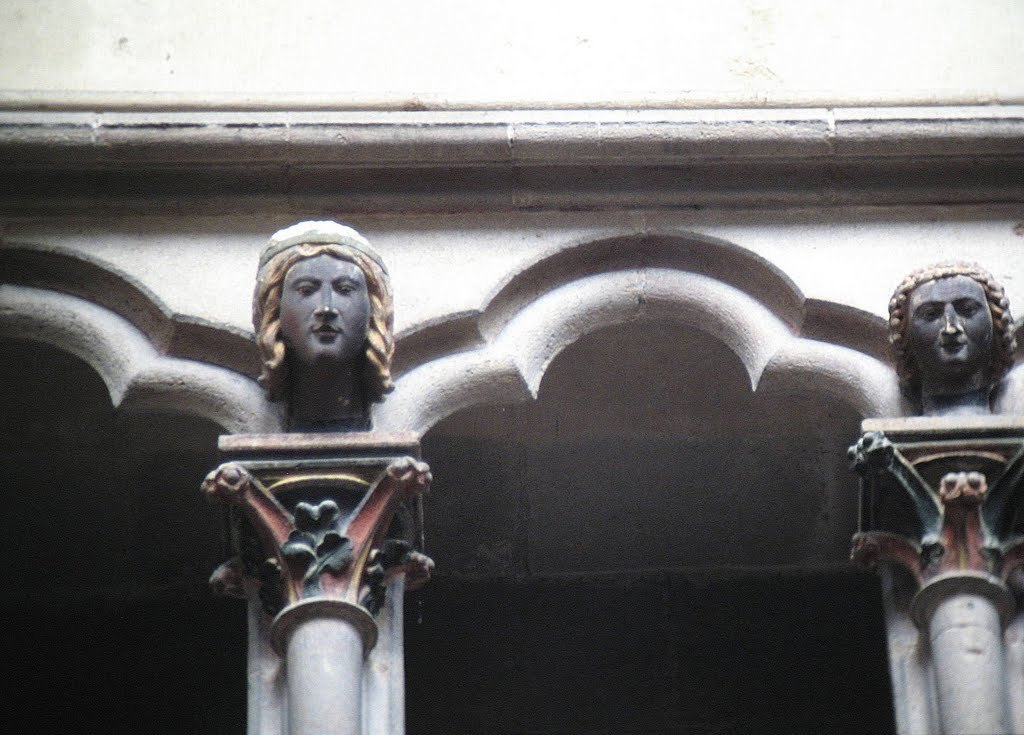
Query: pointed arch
{"type": "Point", "coordinates": [700, 282]}
{"type": "Point", "coordinates": [177, 335]}
{"type": "Point", "coordinates": [136, 374]}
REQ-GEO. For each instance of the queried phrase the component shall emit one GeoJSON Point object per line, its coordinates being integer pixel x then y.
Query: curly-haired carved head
{"type": "Point", "coordinates": [358, 269]}
{"type": "Point", "coordinates": [950, 330]}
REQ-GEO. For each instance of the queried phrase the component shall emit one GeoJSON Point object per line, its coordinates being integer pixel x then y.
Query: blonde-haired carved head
{"type": "Point", "coordinates": [308, 240]}
{"type": "Point", "coordinates": [1004, 343]}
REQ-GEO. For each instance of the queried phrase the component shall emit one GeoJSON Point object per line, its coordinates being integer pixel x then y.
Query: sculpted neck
{"type": "Point", "coordinates": [966, 396]}
{"type": "Point", "coordinates": [970, 403]}
{"type": "Point", "coordinates": [327, 398]}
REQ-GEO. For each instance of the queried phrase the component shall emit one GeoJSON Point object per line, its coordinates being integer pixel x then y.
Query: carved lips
{"type": "Point", "coordinates": [326, 330]}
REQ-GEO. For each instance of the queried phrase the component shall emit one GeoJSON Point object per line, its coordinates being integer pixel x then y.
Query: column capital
{"type": "Point", "coordinates": [322, 520]}
{"type": "Point", "coordinates": [939, 497]}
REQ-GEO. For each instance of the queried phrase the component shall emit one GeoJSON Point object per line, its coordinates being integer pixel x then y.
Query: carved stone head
{"type": "Point", "coordinates": [952, 337]}
{"type": "Point", "coordinates": [323, 307]}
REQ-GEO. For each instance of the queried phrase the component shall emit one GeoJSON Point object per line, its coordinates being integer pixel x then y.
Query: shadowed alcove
{"type": "Point", "coordinates": [109, 621]}
{"type": "Point", "coordinates": [650, 547]}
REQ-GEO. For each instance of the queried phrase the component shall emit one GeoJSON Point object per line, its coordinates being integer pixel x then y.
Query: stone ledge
{"type": "Point", "coordinates": [544, 138]}
{"type": "Point", "coordinates": [509, 160]}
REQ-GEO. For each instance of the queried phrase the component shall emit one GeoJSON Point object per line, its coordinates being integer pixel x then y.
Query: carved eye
{"type": "Point", "coordinates": [928, 312]}
{"type": "Point", "coordinates": [305, 288]}
{"type": "Point", "coordinates": [967, 307]}
{"type": "Point", "coordinates": [344, 288]}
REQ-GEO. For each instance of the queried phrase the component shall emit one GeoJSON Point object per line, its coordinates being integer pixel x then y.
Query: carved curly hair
{"type": "Point", "coordinates": [1004, 343]}
{"type": "Point", "coordinates": [266, 317]}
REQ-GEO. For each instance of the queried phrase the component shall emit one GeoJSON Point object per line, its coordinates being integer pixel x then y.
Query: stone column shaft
{"type": "Point", "coordinates": [266, 698]}
{"type": "Point", "coordinates": [966, 639]}
{"type": "Point", "coordinates": [325, 663]}
{"type": "Point", "coordinates": [384, 681]}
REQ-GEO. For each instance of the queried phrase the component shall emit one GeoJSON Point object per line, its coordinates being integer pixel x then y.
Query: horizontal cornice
{"type": "Point", "coordinates": [524, 158]}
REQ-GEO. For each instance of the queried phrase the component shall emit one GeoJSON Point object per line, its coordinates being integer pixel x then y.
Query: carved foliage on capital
{"type": "Point", "coordinates": [940, 499]}
{"type": "Point", "coordinates": [319, 548]}
{"type": "Point", "coordinates": [315, 546]}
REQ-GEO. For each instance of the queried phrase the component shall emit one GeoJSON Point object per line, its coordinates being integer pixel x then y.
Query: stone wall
{"type": "Point", "coordinates": [100, 54]}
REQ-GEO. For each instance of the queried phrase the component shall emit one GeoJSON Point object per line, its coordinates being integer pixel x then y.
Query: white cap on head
{"type": "Point", "coordinates": [318, 232]}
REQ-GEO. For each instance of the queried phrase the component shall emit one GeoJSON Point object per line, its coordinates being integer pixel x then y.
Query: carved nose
{"type": "Point", "coordinates": [326, 311]}
{"type": "Point", "coordinates": [952, 321]}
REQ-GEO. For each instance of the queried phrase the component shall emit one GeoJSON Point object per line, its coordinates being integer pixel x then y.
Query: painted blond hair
{"type": "Point", "coordinates": [308, 240]}
{"type": "Point", "coordinates": [1004, 343]}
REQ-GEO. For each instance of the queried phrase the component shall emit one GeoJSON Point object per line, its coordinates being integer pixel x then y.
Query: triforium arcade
{"type": "Point", "coordinates": [326, 520]}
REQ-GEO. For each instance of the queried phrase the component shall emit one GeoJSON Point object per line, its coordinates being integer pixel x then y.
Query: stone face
{"type": "Point", "coordinates": [952, 337]}
{"type": "Point", "coordinates": [324, 321]}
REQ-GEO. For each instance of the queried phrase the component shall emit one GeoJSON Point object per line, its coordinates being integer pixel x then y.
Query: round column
{"type": "Point", "coordinates": [964, 620]}
{"type": "Point", "coordinates": [324, 642]}
{"type": "Point", "coordinates": [967, 645]}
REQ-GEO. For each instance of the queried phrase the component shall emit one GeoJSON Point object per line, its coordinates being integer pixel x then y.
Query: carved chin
{"type": "Point", "coordinates": [328, 354]}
